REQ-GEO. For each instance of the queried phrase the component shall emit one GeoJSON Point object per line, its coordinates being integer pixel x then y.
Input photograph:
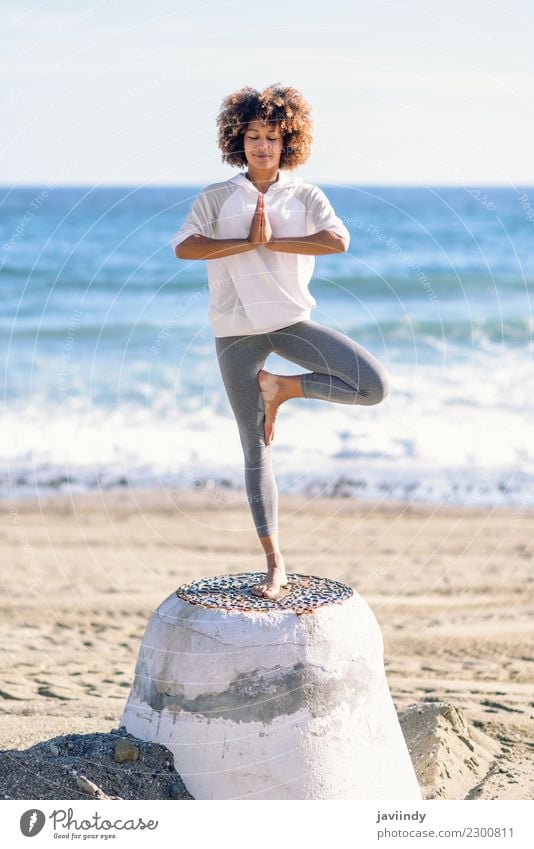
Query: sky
{"type": "Point", "coordinates": [124, 92]}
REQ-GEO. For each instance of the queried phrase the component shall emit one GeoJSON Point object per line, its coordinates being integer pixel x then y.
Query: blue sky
{"type": "Point", "coordinates": [127, 92]}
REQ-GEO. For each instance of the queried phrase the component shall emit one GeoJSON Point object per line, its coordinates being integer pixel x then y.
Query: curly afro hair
{"type": "Point", "coordinates": [277, 104]}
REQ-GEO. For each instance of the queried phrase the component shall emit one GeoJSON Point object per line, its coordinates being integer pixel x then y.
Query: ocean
{"type": "Point", "coordinates": [110, 377]}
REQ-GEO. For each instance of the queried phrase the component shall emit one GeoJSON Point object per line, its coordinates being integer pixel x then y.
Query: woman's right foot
{"type": "Point", "coordinates": [270, 389]}
{"type": "Point", "coordinates": [275, 389]}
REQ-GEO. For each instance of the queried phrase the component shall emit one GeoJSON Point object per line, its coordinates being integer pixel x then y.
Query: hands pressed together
{"type": "Point", "coordinates": [260, 229]}
{"type": "Point", "coordinates": [198, 246]}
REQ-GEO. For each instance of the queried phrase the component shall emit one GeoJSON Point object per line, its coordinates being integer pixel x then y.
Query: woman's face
{"type": "Point", "coordinates": [263, 144]}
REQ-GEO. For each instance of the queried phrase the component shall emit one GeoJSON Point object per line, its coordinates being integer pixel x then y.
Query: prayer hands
{"type": "Point", "coordinates": [260, 229]}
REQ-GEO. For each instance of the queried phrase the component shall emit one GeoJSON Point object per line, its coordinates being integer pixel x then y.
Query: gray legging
{"type": "Point", "coordinates": [342, 371]}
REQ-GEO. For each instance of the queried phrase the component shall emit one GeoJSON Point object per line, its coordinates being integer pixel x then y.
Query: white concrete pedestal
{"type": "Point", "coordinates": [261, 699]}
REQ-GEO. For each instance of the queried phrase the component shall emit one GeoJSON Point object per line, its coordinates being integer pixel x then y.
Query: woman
{"type": "Point", "coordinates": [260, 231]}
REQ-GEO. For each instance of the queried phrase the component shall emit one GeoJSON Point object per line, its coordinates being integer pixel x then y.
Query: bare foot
{"type": "Point", "coordinates": [276, 577]}
{"type": "Point", "coordinates": [275, 389]}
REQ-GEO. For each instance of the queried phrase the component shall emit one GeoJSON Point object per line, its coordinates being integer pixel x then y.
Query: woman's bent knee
{"type": "Point", "coordinates": [383, 385]}
{"type": "Point", "coordinates": [380, 388]}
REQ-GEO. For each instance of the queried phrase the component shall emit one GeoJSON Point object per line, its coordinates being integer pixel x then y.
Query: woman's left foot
{"type": "Point", "coordinates": [275, 579]}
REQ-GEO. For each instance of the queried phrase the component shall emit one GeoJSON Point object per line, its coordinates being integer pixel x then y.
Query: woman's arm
{"type": "Point", "coordinates": [324, 242]}
{"type": "Point", "coordinates": [197, 246]}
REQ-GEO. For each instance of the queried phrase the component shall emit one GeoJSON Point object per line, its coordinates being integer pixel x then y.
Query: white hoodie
{"type": "Point", "coordinates": [259, 291]}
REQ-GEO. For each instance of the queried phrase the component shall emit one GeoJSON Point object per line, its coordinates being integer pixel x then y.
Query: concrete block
{"type": "Point", "coordinates": [271, 699]}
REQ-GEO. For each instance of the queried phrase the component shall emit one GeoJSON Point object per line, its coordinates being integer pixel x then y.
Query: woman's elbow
{"type": "Point", "coordinates": [345, 241]}
{"type": "Point", "coordinates": [185, 248]}
{"type": "Point", "coordinates": [341, 243]}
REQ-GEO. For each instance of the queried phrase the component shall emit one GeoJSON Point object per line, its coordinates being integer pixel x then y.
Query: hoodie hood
{"type": "Point", "coordinates": [284, 180]}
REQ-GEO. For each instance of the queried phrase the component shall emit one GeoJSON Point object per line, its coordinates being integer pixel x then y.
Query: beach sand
{"type": "Point", "coordinates": [450, 586]}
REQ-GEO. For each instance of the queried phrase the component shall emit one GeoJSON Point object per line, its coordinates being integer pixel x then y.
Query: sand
{"type": "Point", "coordinates": [450, 586]}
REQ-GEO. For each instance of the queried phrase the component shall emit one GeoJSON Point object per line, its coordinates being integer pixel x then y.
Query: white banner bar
{"type": "Point", "coordinates": [271, 825]}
